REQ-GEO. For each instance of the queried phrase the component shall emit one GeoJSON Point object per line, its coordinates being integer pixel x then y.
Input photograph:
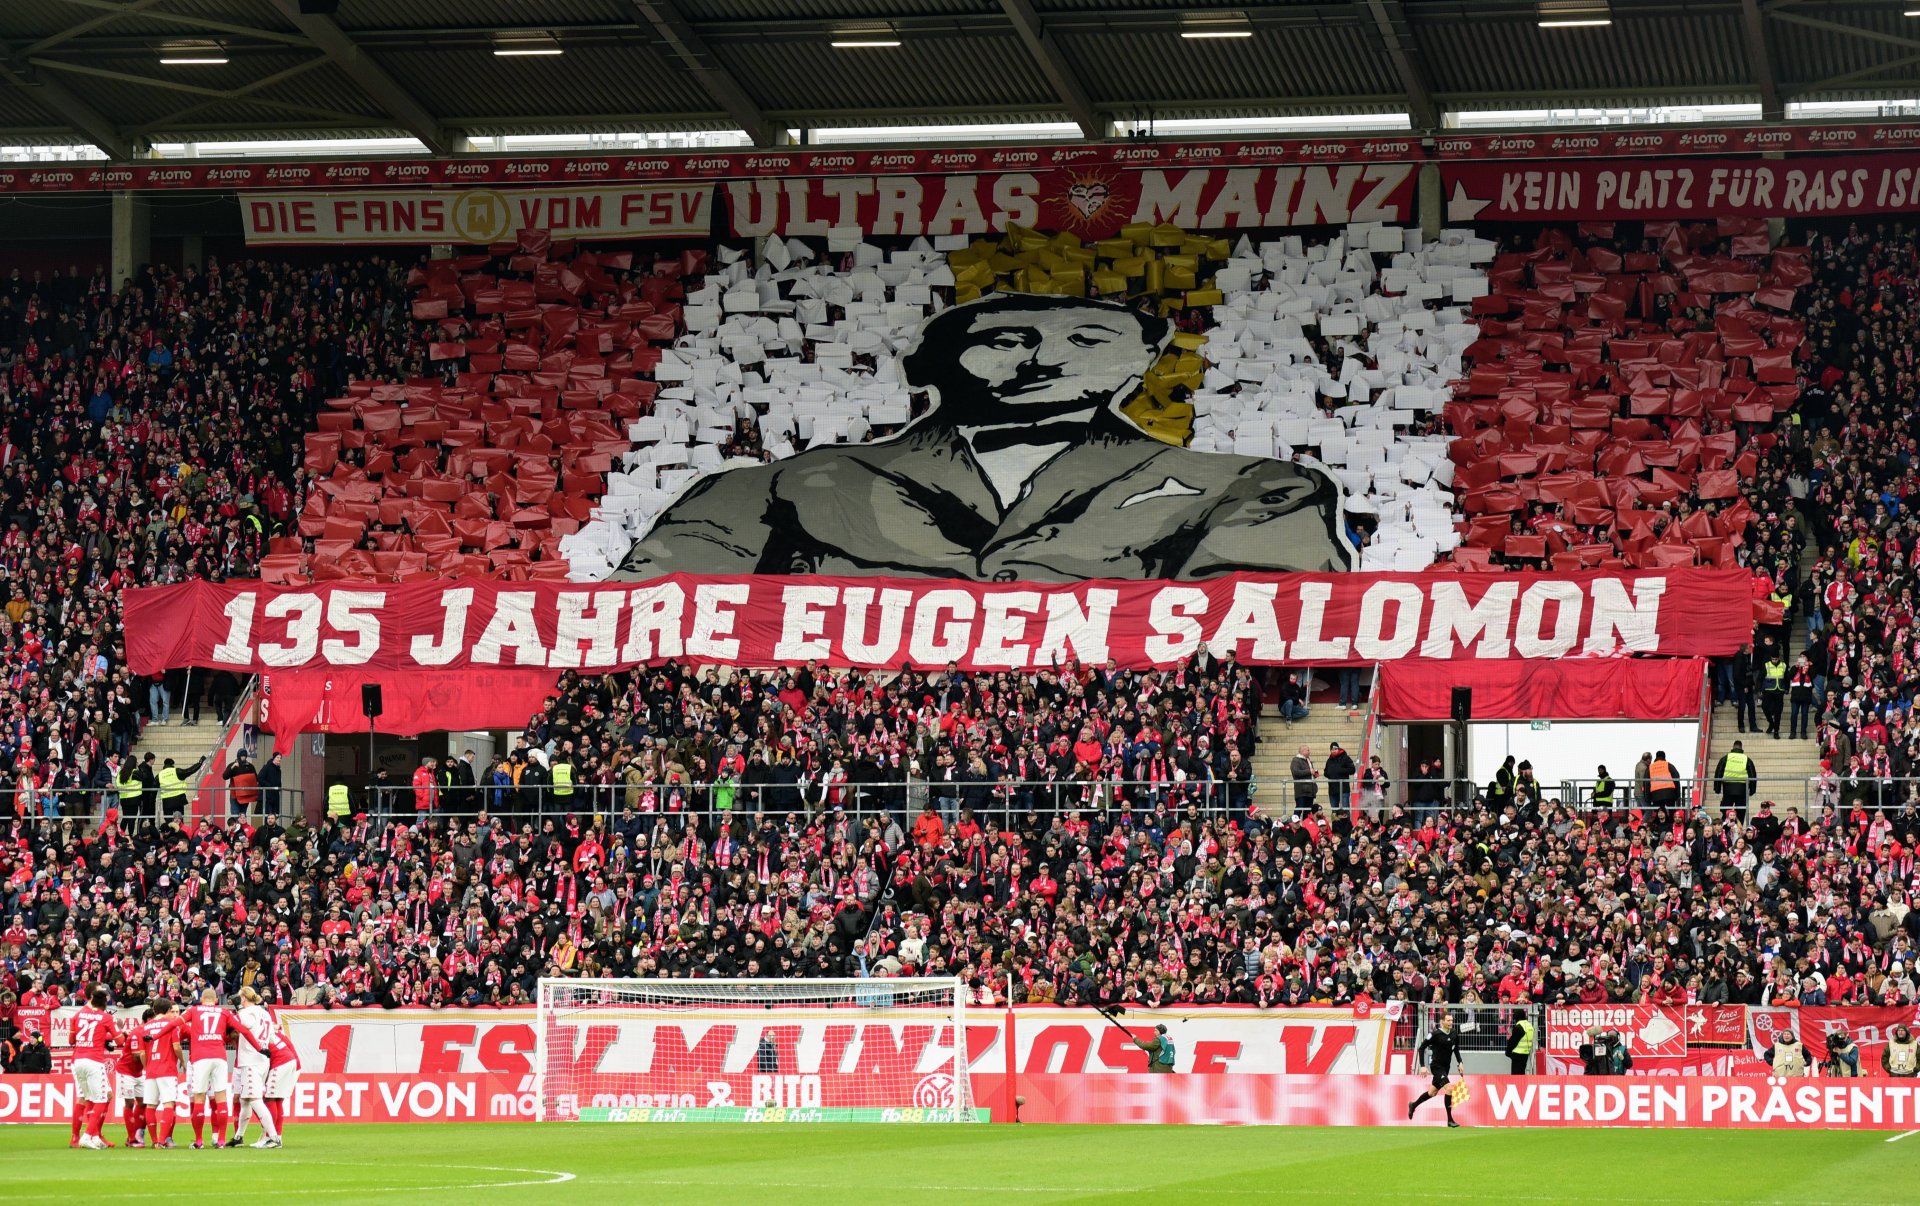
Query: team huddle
{"type": "Point", "coordinates": [147, 1061]}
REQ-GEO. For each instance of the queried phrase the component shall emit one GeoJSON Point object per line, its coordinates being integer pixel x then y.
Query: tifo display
{"type": "Point", "coordinates": [1081, 643]}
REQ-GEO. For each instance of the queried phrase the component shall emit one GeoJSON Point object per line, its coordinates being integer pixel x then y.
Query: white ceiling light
{"type": "Point", "coordinates": [525, 45]}
{"type": "Point", "coordinates": [1215, 25]}
{"type": "Point", "coordinates": [871, 36]}
{"type": "Point", "coordinates": [192, 54]}
{"type": "Point", "coordinates": [1572, 14]}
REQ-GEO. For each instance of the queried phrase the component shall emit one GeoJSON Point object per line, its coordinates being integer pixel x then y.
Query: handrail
{"type": "Point", "coordinates": [1367, 727]}
{"type": "Point", "coordinates": [1704, 746]}
{"type": "Point", "coordinates": [235, 719]}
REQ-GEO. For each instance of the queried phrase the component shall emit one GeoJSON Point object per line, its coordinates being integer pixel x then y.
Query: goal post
{"type": "Point", "coordinates": [877, 1050]}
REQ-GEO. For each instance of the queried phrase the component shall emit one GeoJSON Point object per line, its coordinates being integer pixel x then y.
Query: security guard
{"type": "Point", "coordinates": [1663, 789]}
{"type": "Point", "coordinates": [1520, 1041]}
{"type": "Point", "coordinates": [1603, 790]}
{"type": "Point", "coordinates": [339, 802]}
{"type": "Point", "coordinates": [1735, 777]}
{"type": "Point", "coordinates": [131, 789]}
{"type": "Point", "coordinates": [173, 787]}
{"type": "Point", "coordinates": [1773, 692]}
{"type": "Point", "coordinates": [562, 772]}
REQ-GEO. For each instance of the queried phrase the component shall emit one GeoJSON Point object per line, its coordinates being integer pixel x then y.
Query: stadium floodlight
{"type": "Point", "coordinates": [878, 1050]}
{"type": "Point", "coordinates": [1570, 14]}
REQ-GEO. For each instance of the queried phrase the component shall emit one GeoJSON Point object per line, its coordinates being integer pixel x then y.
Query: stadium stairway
{"type": "Point", "coordinates": [180, 742]}
{"type": "Point", "coordinates": [1785, 767]}
{"type": "Point", "coordinates": [1280, 741]}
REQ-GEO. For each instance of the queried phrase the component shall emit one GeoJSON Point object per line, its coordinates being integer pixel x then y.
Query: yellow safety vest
{"type": "Point", "coordinates": [130, 788]}
{"type": "Point", "coordinates": [170, 784]}
{"type": "Point", "coordinates": [1776, 676]}
{"type": "Point", "coordinates": [1603, 793]}
{"type": "Point", "coordinates": [1737, 768]}
{"type": "Point", "coordinates": [563, 778]}
{"type": "Point", "coordinates": [1525, 1045]}
{"type": "Point", "coordinates": [339, 802]}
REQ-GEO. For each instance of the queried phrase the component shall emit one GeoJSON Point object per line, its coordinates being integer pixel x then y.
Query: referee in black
{"type": "Point", "coordinates": [1439, 1049]}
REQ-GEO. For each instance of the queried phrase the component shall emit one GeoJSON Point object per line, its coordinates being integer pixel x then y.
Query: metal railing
{"type": "Point", "coordinates": [92, 804]}
{"type": "Point", "coordinates": [1001, 801]}
{"type": "Point", "coordinates": [1482, 1031]}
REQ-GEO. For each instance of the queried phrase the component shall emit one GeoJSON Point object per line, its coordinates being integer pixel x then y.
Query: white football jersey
{"type": "Point", "coordinates": [257, 1023]}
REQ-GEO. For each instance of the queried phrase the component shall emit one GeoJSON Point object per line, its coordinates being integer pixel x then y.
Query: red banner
{"type": "Point", "coordinates": [1572, 688]}
{"type": "Point", "coordinates": [477, 216]}
{"type": "Point", "coordinates": [1715, 1025]}
{"type": "Point", "coordinates": [1869, 1026]}
{"type": "Point", "coordinates": [1745, 1103]}
{"type": "Point", "coordinates": [1806, 186]}
{"type": "Point", "coordinates": [328, 701]}
{"type": "Point", "coordinates": [1651, 1031]}
{"type": "Point", "coordinates": [1267, 619]}
{"type": "Point", "coordinates": [321, 1097]}
{"type": "Point", "coordinates": [1092, 202]}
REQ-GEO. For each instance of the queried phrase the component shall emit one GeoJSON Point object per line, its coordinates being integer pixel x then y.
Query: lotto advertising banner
{"type": "Point", "coordinates": [1292, 619]}
{"type": "Point", "coordinates": [1804, 186]}
{"type": "Point", "coordinates": [1758, 1103]}
{"type": "Point", "coordinates": [1091, 202]}
{"type": "Point", "coordinates": [1075, 1041]}
{"type": "Point", "coordinates": [708, 164]}
{"type": "Point", "coordinates": [477, 216]}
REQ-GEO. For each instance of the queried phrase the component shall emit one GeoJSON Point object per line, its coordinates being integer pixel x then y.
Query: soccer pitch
{"type": "Point", "coordinates": [841, 1165]}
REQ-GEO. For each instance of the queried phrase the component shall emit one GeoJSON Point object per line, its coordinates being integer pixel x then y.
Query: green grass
{"type": "Point", "coordinates": [841, 1165]}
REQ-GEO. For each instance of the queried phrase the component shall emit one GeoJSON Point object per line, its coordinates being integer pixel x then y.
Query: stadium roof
{"type": "Point", "coordinates": [432, 68]}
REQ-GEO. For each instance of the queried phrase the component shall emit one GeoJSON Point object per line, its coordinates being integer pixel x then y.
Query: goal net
{"type": "Point", "coordinates": [888, 1050]}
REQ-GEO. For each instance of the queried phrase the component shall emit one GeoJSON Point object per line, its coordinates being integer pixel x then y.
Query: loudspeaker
{"type": "Point", "coordinates": [319, 8]}
{"type": "Point", "coordinates": [370, 700]}
{"type": "Point", "coordinates": [1463, 704]}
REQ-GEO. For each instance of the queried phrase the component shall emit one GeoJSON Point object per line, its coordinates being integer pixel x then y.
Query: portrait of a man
{"type": "Point", "coordinates": [1023, 469]}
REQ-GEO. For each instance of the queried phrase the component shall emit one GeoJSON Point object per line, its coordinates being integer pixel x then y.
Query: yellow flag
{"type": "Point", "coordinates": [1458, 1092]}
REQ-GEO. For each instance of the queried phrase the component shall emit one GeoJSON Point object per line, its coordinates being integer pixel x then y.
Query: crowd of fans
{"type": "Point", "coordinates": [1853, 663]}
{"type": "Point", "coordinates": [150, 434]}
{"type": "Point", "coordinates": [1150, 897]}
{"type": "Point", "coordinates": [1086, 833]}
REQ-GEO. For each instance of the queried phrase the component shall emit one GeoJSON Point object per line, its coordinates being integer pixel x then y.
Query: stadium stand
{"type": "Point", "coordinates": [768, 822]}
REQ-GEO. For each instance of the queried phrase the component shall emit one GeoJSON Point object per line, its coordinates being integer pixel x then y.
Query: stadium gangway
{"type": "Point", "coordinates": [93, 806]}
{"type": "Point", "coordinates": [1803, 796]}
{"type": "Point", "coordinates": [1006, 802]}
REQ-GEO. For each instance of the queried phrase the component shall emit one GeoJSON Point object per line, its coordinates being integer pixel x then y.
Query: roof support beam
{"type": "Point", "coordinates": [1053, 64]}
{"type": "Point", "coordinates": [55, 98]}
{"type": "Point", "coordinates": [1759, 62]}
{"type": "Point", "coordinates": [173, 18]}
{"type": "Point", "coordinates": [264, 82]}
{"type": "Point", "coordinates": [91, 23]}
{"type": "Point", "coordinates": [406, 112]}
{"type": "Point", "coordinates": [1780, 13]}
{"type": "Point", "coordinates": [1390, 18]}
{"type": "Point", "coordinates": [691, 49]}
